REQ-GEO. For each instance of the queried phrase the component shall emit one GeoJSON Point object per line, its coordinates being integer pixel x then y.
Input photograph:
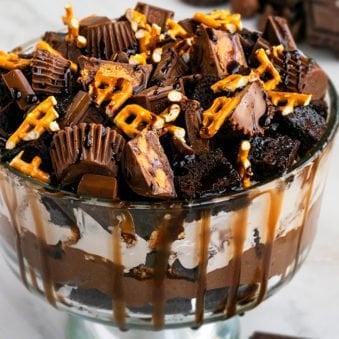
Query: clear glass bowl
{"type": "Point", "coordinates": [163, 265]}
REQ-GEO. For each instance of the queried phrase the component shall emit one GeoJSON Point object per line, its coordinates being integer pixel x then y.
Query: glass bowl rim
{"type": "Point", "coordinates": [333, 123]}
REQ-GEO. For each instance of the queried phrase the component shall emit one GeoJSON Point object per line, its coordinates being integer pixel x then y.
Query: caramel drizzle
{"type": "Point", "coordinates": [239, 231]}
{"type": "Point", "coordinates": [118, 299]}
{"type": "Point", "coordinates": [312, 175]}
{"type": "Point", "coordinates": [168, 231]}
{"type": "Point", "coordinates": [203, 241]}
{"type": "Point", "coordinates": [46, 276]}
{"type": "Point", "coordinates": [12, 206]}
{"type": "Point", "coordinates": [275, 207]}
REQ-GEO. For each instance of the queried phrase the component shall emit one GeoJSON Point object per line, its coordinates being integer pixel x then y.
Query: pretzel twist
{"type": "Point", "coordinates": [288, 101]}
{"type": "Point", "coordinates": [10, 61]}
{"type": "Point", "coordinates": [216, 115]}
{"type": "Point", "coordinates": [31, 169]}
{"type": "Point", "coordinates": [133, 119]}
{"type": "Point", "coordinates": [107, 88]}
{"type": "Point", "coordinates": [41, 119]}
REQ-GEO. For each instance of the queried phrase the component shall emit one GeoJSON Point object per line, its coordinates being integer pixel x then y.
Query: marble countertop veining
{"type": "Point", "coordinates": [307, 307]}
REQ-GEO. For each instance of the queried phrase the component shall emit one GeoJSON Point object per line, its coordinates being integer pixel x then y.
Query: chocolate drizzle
{"type": "Point", "coordinates": [203, 244]}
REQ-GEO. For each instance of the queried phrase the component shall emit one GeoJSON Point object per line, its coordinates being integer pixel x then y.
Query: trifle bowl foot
{"type": "Point", "coordinates": [80, 328]}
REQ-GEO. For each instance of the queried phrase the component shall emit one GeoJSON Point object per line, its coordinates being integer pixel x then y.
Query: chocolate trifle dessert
{"type": "Point", "coordinates": [160, 172]}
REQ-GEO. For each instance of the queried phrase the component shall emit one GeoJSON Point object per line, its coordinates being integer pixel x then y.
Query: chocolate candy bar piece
{"type": "Point", "coordinates": [20, 89]}
{"type": "Point", "coordinates": [51, 74]}
{"type": "Point", "coordinates": [154, 15]}
{"type": "Point", "coordinates": [77, 110]}
{"type": "Point", "coordinates": [215, 50]}
{"type": "Point", "coordinates": [146, 167]}
{"type": "Point", "coordinates": [85, 149]}
{"type": "Point", "coordinates": [155, 98]}
{"type": "Point", "coordinates": [323, 24]}
{"type": "Point", "coordinates": [300, 74]}
{"type": "Point", "coordinates": [192, 112]}
{"type": "Point", "coordinates": [105, 39]}
{"type": "Point", "coordinates": [98, 186]}
{"type": "Point", "coordinates": [137, 74]}
{"type": "Point", "coordinates": [277, 32]}
{"type": "Point", "coordinates": [271, 156]}
{"type": "Point", "coordinates": [171, 65]}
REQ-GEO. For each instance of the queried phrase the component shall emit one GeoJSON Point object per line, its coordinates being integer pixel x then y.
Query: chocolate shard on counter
{"type": "Point", "coordinates": [105, 39]}
{"type": "Point", "coordinates": [304, 124]}
{"type": "Point", "coordinates": [251, 108]}
{"type": "Point", "coordinates": [301, 74]}
{"type": "Point", "coordinates": [146, 168]}
{"type": "Point", "coordinates": [322, 23]}
{"type": "Point", "coordinates": [80, 110]}
{"type": "Point", "coordinates": [204, 175]}
{"type": "Point", "coordinates": [272, 156]}
{"type": "Point", "coordinates": [277, 32]}
{"type": "Point", "coordinates": [192, 112]}
{"type": "Point", "coordinates": [215, 50]}
{"type": "Point", "coordinates": [20, 89]}
{"type": "Point", "coordinates": [172, 65]}
{"type": "Point", "coordinates": [51, 74]}
{"type": "Point", "coordinates": [155, 98]}
{"type": "Point", "coordinates": [155, 15]}
{"type": "Point", "coordinates": [98, 186]}
{"type": "Point", "coordinates": [86, 149]}
{"type": "Point", "coordinates": [137, 74]}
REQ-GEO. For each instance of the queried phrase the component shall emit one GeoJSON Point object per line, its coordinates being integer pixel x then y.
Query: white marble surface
{"type": "Point", "coordinates": [308, 306]}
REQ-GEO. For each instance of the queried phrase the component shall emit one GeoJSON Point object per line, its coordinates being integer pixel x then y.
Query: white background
{"type": "Point", "coordinates": [308, 306]}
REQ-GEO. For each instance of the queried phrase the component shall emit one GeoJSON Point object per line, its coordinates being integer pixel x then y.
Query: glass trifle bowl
{"type": "Point", "coordinates": [172, 265]}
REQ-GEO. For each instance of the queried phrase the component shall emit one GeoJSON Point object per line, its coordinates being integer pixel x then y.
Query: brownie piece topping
{"type": "Point", "coordinates": [271, 156]}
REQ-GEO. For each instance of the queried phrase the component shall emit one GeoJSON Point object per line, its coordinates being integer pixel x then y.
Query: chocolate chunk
{"type": "Point", "coordinates": [155, 98]}
{"type": "Point", "coordinates": [189, 25]}
{"type": "Point", "coordinates": [51, 73]}
{"type": "Point", "coordinates": [192, 112]}
{"type": "Point", "coordinates": [20, 88]}
{"type": "Point", "coordinates": [260, 43]}
{"type": "Point", "coordinates": [252, 106]}
{"type": "Point", "coordinates": [76, 112]}
{"type": "Point", "coordinates": [322, 24]}
{"type": "Point", "coordinates": [248, 39]}
{"type": "Point", "coordinates": [300, 74]}
{"type": "Point", "coordinates": [146, 167]}
{"type": "Point", "coordinates": [98, 186]}
{"type": "Point", "coordinates": [138, 75]}
{"type": "Point", "coordinates": [171, 66]}
{"type": "Point", "coordinates": [246, 8]}
{"type": "Point", "coordinates": [272, 156]}
{"type": "Point", "coordinates": [86, 149]}
{"type": "Point", "coordinates": [57, 41]}
{"type": "Point", "coordinates": [277, 32]}
{"type": "Point", "coordinates": [214, 50]}
{"type": "Point", "coordinates": [154, 15]}
{"type": "Point", "coordinates": [105, 39]}
{"type": "Point", "coordinates": [205, 175]}
{"type": "Point", "coordinates": [304, 124]}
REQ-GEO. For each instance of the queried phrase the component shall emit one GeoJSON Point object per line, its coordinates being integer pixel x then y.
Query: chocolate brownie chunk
{"type": "Point", "coordinates": [304, 124]}
{"type": "Point", "coordinates": [204, 174]}
{"type": "Point", "coordinates": [202, 91]}
{"type": "Point", "coordinates": [272, 156]}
